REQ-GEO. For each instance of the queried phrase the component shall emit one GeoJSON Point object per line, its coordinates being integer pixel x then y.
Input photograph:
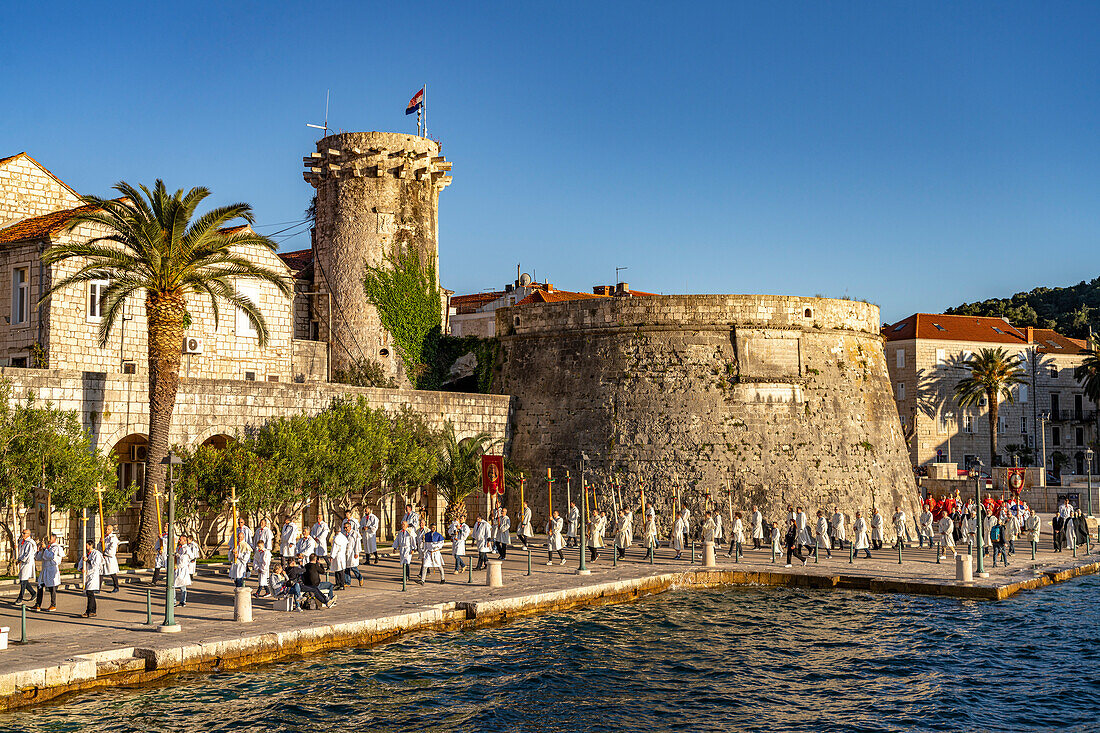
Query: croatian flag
{"type": "Point", "coordinates": [416, 103]}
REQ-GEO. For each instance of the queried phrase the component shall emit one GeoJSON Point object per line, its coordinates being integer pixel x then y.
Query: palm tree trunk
{"type": "Point", "coordinates": [165, 313]}
{"type": "Point", "coordinates": [993, 410]}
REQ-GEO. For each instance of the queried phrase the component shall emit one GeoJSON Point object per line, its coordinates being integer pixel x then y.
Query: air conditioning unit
{"type": "Point", "coordinates": [138, 453]}
{"type": "Point", "coordinates": [192, 345]}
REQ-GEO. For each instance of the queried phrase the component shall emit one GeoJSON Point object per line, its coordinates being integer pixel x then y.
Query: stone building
{"type": "Point", "coordinates": [716, 399]}
{"type": "Point", "coordinates": [926, 354]}
{"type": "Point", "coordinates": [229, 382]}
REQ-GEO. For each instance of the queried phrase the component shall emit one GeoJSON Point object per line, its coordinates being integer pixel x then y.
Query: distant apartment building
{"type": "Point", "coordinates": [926, 354]}
{"type": "Point", "coordinates": [475, 314]}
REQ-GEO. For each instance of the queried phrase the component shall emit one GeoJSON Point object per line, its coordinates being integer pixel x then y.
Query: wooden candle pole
{"type": "Point", "coordinates": [568, 493]}
{"type": "Point", "coordinates": [729, 499]}
{"type": "Point", "coordinates": [522, 481]}
{"type": "Point", "coordinates": [160, 524]}
{"type": "Point", "coordinates": [99, 495]}
{"type": "Point", "coordinates": [233, 501]}
{"type": "Point", "coordinates": [550, 484]}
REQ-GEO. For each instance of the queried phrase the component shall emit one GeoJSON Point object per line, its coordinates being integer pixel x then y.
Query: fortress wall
{"type": "Point", "coordinates": [682, 393]}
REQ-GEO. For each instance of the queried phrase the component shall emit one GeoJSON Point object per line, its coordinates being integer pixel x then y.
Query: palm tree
{"type": "Point", "coordinates": [993, 374]}
{"type": "Point", "coordinates": [459, 472]}
{"type": "Point", "coordinates": [153, 245]}
{"type": "Point", "coordinates": [1088, 374]}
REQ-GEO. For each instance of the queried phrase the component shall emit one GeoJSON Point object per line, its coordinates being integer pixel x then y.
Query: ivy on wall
{"type": "Point", "coordinates": [405, 294]}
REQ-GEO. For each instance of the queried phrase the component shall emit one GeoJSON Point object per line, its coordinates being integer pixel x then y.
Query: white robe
{"type": "Point", "coordinates": [305, 547]}
{"type": "Point", "coordinates": [777, 541]}
{"type": "Point", "coordinates": [595, 532]}
{"type": "Point", "coordinates": [92, 566]}
{"type": "Point", "coordinates": [369, 529]}
{"type": "Point", "coordinates": [459, 533]}
{"type": "Point", "coordinates": [502, 535]}
{"type": "Point", "coordinates": [264, 538]}
{"type": "Point", "coordinates": [355, 546]}
{"type": "Point", "coordinates": [27, 550]}
{"type": "Point", "coordinates": [261, 563]}
{"type": "Point", "coordinates": [320, 532]}
{"type": "Point", "coordinates": [837, 525]}
{"type": "Point", "coordinates": [433, 557]}
{"type": "Point", "coordinates": [738, 535]}
{"type": "Point", "coordinates": [554, 541]}
{"type": "Point", "coordinates": [679, 528]}
{"type": "Point", "coordinates": [876, 528]}
{"type": "Point", "coordinates": [801, 520]}
{"type": "Point", "coordinates": [161, 549]}
{"type": "Point", "coordinates": [900, 520]}
{"type": "Point", "coordinates": [339, 552]}
{"type": "Point", "coordinates": [709, 527]}
{"type": "Point", "coordinates": [757, 520]}
{"type": "Point", "coordinates": [110, 554]}
{"type": "Point", "coordinates": [719, 530]}
{"type": "Point", "coordinates": [525, 527]}
{"type": "Point", "coordinates": [287, 539]}
{"type": "Point", "coordinates": [241, 556]}
{"type": "Point", "coordinates": [947, 532]}
{"type": "Point", "coordinates": [184, 567]}
{"type": "Point", "coordinates": [651, 532]}
{"type": "Point", "coordinates": [859, 534]}
{"type": "Point", "coordinates": [624, 534]}
{"type": "Point", "coordinates": [574, 522]}
{"type": "Point", "coordinates": [926, 524]}
{"type": "Point", "coordinates": [51, 557]}
{"type": "Point", "coordinates": [823, 533]}
{"type": "Point", "coordinates": [483, 536]}
{"type": "Point", "coordinates": [1032, 526]}
{"type": "Point", "coordinates": [404, 543]}
{"type": "Point", "coordinates": [413, 518]}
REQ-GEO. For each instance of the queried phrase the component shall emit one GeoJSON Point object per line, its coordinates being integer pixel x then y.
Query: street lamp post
{"type": "Point", "coordinates": [978, 499]}
{"type": "Point", "coordinates": [170, 625]}
{"type": "Point", "coordinates": [949, 417]}
{"type": "Point", "coordinates": [582, 569]}
{"type": "Point", "coordinates": [1088, 460]}
{"type": "Point", "coordinates": [1043, 418]}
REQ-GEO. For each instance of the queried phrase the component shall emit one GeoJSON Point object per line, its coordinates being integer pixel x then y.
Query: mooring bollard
{"type": "Point", "coordinates": [470, 571]}
{"type": "Point", "coordinates": [938, 553]}
{"type": "Point", "coordinates": [242, 605]}
{"type": "Point", "coordinates": [614, 556]}
{"type": "Point", "coordinates": [899, 552]}
{"type": "Point", "coordinates": [404, 577]}
{"type": "Point", "coordinates": [148, 606]}
{"type": "Point", "coordinates": [1034, 546]}
{"type": "Point", "coordinates": [494, 575]}
{"type": "Point", "coordinates": [851, 552]}
{"type": "Point", "coordinates": [708, 555]}
{"type": "Point", "coordinates": [651, 553]}
{"type": "Point", "coordinates": [23, 625]}
{"type": "Point", "coordinates": [528, 559]}
{"type": "Point", "coordinates": [1075, 549]}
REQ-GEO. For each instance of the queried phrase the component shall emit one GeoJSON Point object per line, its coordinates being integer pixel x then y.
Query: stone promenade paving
{"type": "Point", "coordinates": [208, 616]}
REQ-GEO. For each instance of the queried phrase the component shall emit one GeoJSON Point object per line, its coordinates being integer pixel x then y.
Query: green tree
{"type": "Point", "coordinates": [1088, 375]}
{"type": "Point", "coordinates": [993, 374]}
{"type": "Point", "coordinates": [356, 440]}
{"type": "Point", "coordinates": [413, 458]}
{"type": "Point", "coordinates": [459, 472]}
{"type": "Point", "coordinates": [153, 245]}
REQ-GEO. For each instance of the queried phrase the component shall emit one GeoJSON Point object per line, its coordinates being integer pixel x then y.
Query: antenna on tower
{"type": "Point", "coordinates": [617, 271]}
{"type": "Point", "coordinates": [325, 126]}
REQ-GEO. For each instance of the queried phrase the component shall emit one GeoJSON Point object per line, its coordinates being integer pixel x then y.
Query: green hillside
{"type": "Point", "coordinates": [1071, 311]}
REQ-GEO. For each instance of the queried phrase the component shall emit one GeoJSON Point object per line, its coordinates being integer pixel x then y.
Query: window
{"type": "Point", "coordinates": [250, 376]}
{"type": "Point", "coordinates": [20, 296]}
{"type": "Point", "coordinates": [943, 424]}
{"type": "Point", "coordinates": [1053, 344]}
{"type": "Point", "coordinates": [899, 327]}
{"type": "Point", "coordinates": [998, 330]}
{"type": "Point", "coordinates": [941, 358]}
{"type": "Point", "coordinates": [245, 327]}
{"type": "Point", "coordinates": [900, 358]}
{"type": "Point", "coordinates": [19, 362]}
{"type": "Point", "coordinates": [939, 327]}
{"type": "Point", "coordinates": [1055, 403]}
{"type": "Point", "coordinates": [1079, 436]}
{"type": "Point", "coordinates": [129, 367]}
{"type": "Point", "coordinates": [1054, 372]}
{"type": "Point", "coordinates": [1021, 393]}
{"type": "Point", "coordinates": [1002, 424]}
{"type": "Point", "coordinates": [901, 391]}
{"type": "Point", "coordinates": [96, 298]}
{"type": "Point", "coordinates": [1055, 435]}
{"type": "Point", "coordinates": [968, 423]}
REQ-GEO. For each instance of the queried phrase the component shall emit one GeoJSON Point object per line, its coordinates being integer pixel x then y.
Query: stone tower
{"type": "Point", "coordinates": [377, 196]}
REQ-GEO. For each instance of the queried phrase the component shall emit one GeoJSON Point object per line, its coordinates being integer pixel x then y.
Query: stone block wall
{"type": "Point", "coordinates": [28, 190]}
{"type": "Point", "coordinates": [787, 399]}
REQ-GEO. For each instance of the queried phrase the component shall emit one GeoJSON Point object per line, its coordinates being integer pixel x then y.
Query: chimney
{"type": "Point", "coordinates": [622, 289]}
{"type": "Point", "coordinates": [1030, 333]}
{"type": "Point", "coordinates": [602, 290]}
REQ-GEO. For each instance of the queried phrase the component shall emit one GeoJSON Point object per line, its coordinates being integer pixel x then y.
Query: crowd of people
{"type": "Point", "coordinates": [307, 560]}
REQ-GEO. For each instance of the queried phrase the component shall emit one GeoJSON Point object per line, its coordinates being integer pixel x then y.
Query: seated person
{"type": "Point", "coordinates": [312, 575]}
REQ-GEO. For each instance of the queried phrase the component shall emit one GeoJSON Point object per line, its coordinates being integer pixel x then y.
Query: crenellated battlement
{"type": "Point", "coordinates": [377, 155]}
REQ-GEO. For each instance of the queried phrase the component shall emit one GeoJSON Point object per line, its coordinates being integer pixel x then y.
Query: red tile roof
{"type": "Point", "coordinates": [559, 296]}
{"type": "Point", "coordinates": [982, 329]}
{"type": "Point", "coordinates": [41, 227]}
{"type": "Point", "coordinates": [470, 303]}
{"type": "Point", "coordinates": [298, 261]}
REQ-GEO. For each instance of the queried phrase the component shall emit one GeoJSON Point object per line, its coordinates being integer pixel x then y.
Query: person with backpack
{"type": "Point", "coordinates": [793, 543]}
{"type": "Point", "coordinates": [997, 537]}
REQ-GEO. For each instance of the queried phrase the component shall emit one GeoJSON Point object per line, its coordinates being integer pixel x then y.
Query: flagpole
{"type": "Point", "coordinates": [424, 104]}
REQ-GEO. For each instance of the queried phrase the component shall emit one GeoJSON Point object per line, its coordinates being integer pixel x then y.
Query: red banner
{"type": "Point", "coordinates": [492, 474]}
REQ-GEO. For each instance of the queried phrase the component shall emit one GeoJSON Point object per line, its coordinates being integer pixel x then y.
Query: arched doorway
{"type": "Point", "coordinates": [219, 441]}
{"type": "Point", "coordinates": [131, 452]}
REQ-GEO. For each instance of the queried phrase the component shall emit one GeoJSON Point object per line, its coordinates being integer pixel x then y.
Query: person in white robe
{"type": "Point", "coordinates": [946, 529]}
{"type": "Point", "coordinates": [901, 527]}
{"type": "Point", "coordinates": [25, 557]}
{"type": "Point", "coordinates": [776, 540]}
{"type": "Point", "coordinates": [737, 536]}
{"type": "Point", "coordinates": [459, 532]}
{"type": "Point", "coordinates": [1032, 526]}
{"type": "Point", "coordinates": [483, 541]}
{"type": "Point", "coordinates": [525, 531]}
{"type": "Point", "coordinates": [261, 563]}
{"type": "Point", "coordinates": [679, 530]}
{"type": "Point", "coordinates": [989, 520]}
{"type": "Point", "coordinates": [412, 518]}
{"type": "Point", "coordinates": [595, 536]}
{"type": "Point", "coordinates": [49, 577]}
{"type": "Point", "coordinates": [339, 562]}
{"type": "Point", "coordinates": [160, 562]}
{"type": "Point", "coordinates": [801, 519]}
{"type": "Point", "coordinates": [109, 548]}
{"type": "Point", "coordinates": [1012, 525]}
{"type": "Point", "coordinates": [184, 567]}
{"type": "Point", "coordinates": [708, 527]}
{"type": "Point", "coordinates": [837, 526]}
{"type": "Point", "coordinates": [756, 524]}
{"type": "Point", "coordinates": [368, 528]}
{"type": "Point", "coordinates": [876, 530]}
{"type": "Point", "coordinates": [554, 541]}
{"type": "Point", "coordinates": [719, 529]}
{"type": "Point", "coordinates": [650, 533]}
{"type": "Point", "coordinates": [304, 547]}
{"type": "Point", "coordinates": [802, 532]}
{"type": "Point", "coordinates": [264, 538]}
{"type": "Point", "coordinates": [503, 536]}
{"type": "Point", "coordinates": [239, 557]}
{"type": "Point", "coordinates": [244, 531]}
{"type": "Point", "coordinates": [859, 535]}
{"type": "Point", "coordinates": [352, 552]}
{"type": "Point", "coordinates": [970, 528]}
{"type": "Point", "coordinates": [822, 535]}
{"type": "Point", "coordinates": [573, 526]}
{"type": "Point", "coordinates": [404, 544]}
{"type": "Point", "coordinates": [320, 532]}
{"type": "Point", "coordinates": [924, 528]}
{"type": "Point", "coordinates": [91, 566]}
{"type": "Point", "coordinates": [288, 540]}
{"type": "Point", "coordinates": [624, 532]}
{"type": "Point", "coordinates": [433, 554]}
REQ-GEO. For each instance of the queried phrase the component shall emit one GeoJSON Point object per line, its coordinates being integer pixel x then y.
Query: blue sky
{"type": "Point", "coordinates": [913, 154]}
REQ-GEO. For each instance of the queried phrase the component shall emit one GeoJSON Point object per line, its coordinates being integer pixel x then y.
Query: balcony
{"type": "Point", "coordinates": [1073, 415]}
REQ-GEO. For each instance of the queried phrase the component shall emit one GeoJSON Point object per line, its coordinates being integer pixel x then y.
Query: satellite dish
{"type": "Point", "coordinates": [524, 280]}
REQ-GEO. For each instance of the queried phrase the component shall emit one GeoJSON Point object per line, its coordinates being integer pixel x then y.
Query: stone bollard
{"type": "Point", "coordinates": [708, 555]}
{"type": "Point", "coordinates": [242, 605]}
{"type": "Point", "coordinates": [494, 575]}
{"type": "Point", "coordinates": [964, 569]}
